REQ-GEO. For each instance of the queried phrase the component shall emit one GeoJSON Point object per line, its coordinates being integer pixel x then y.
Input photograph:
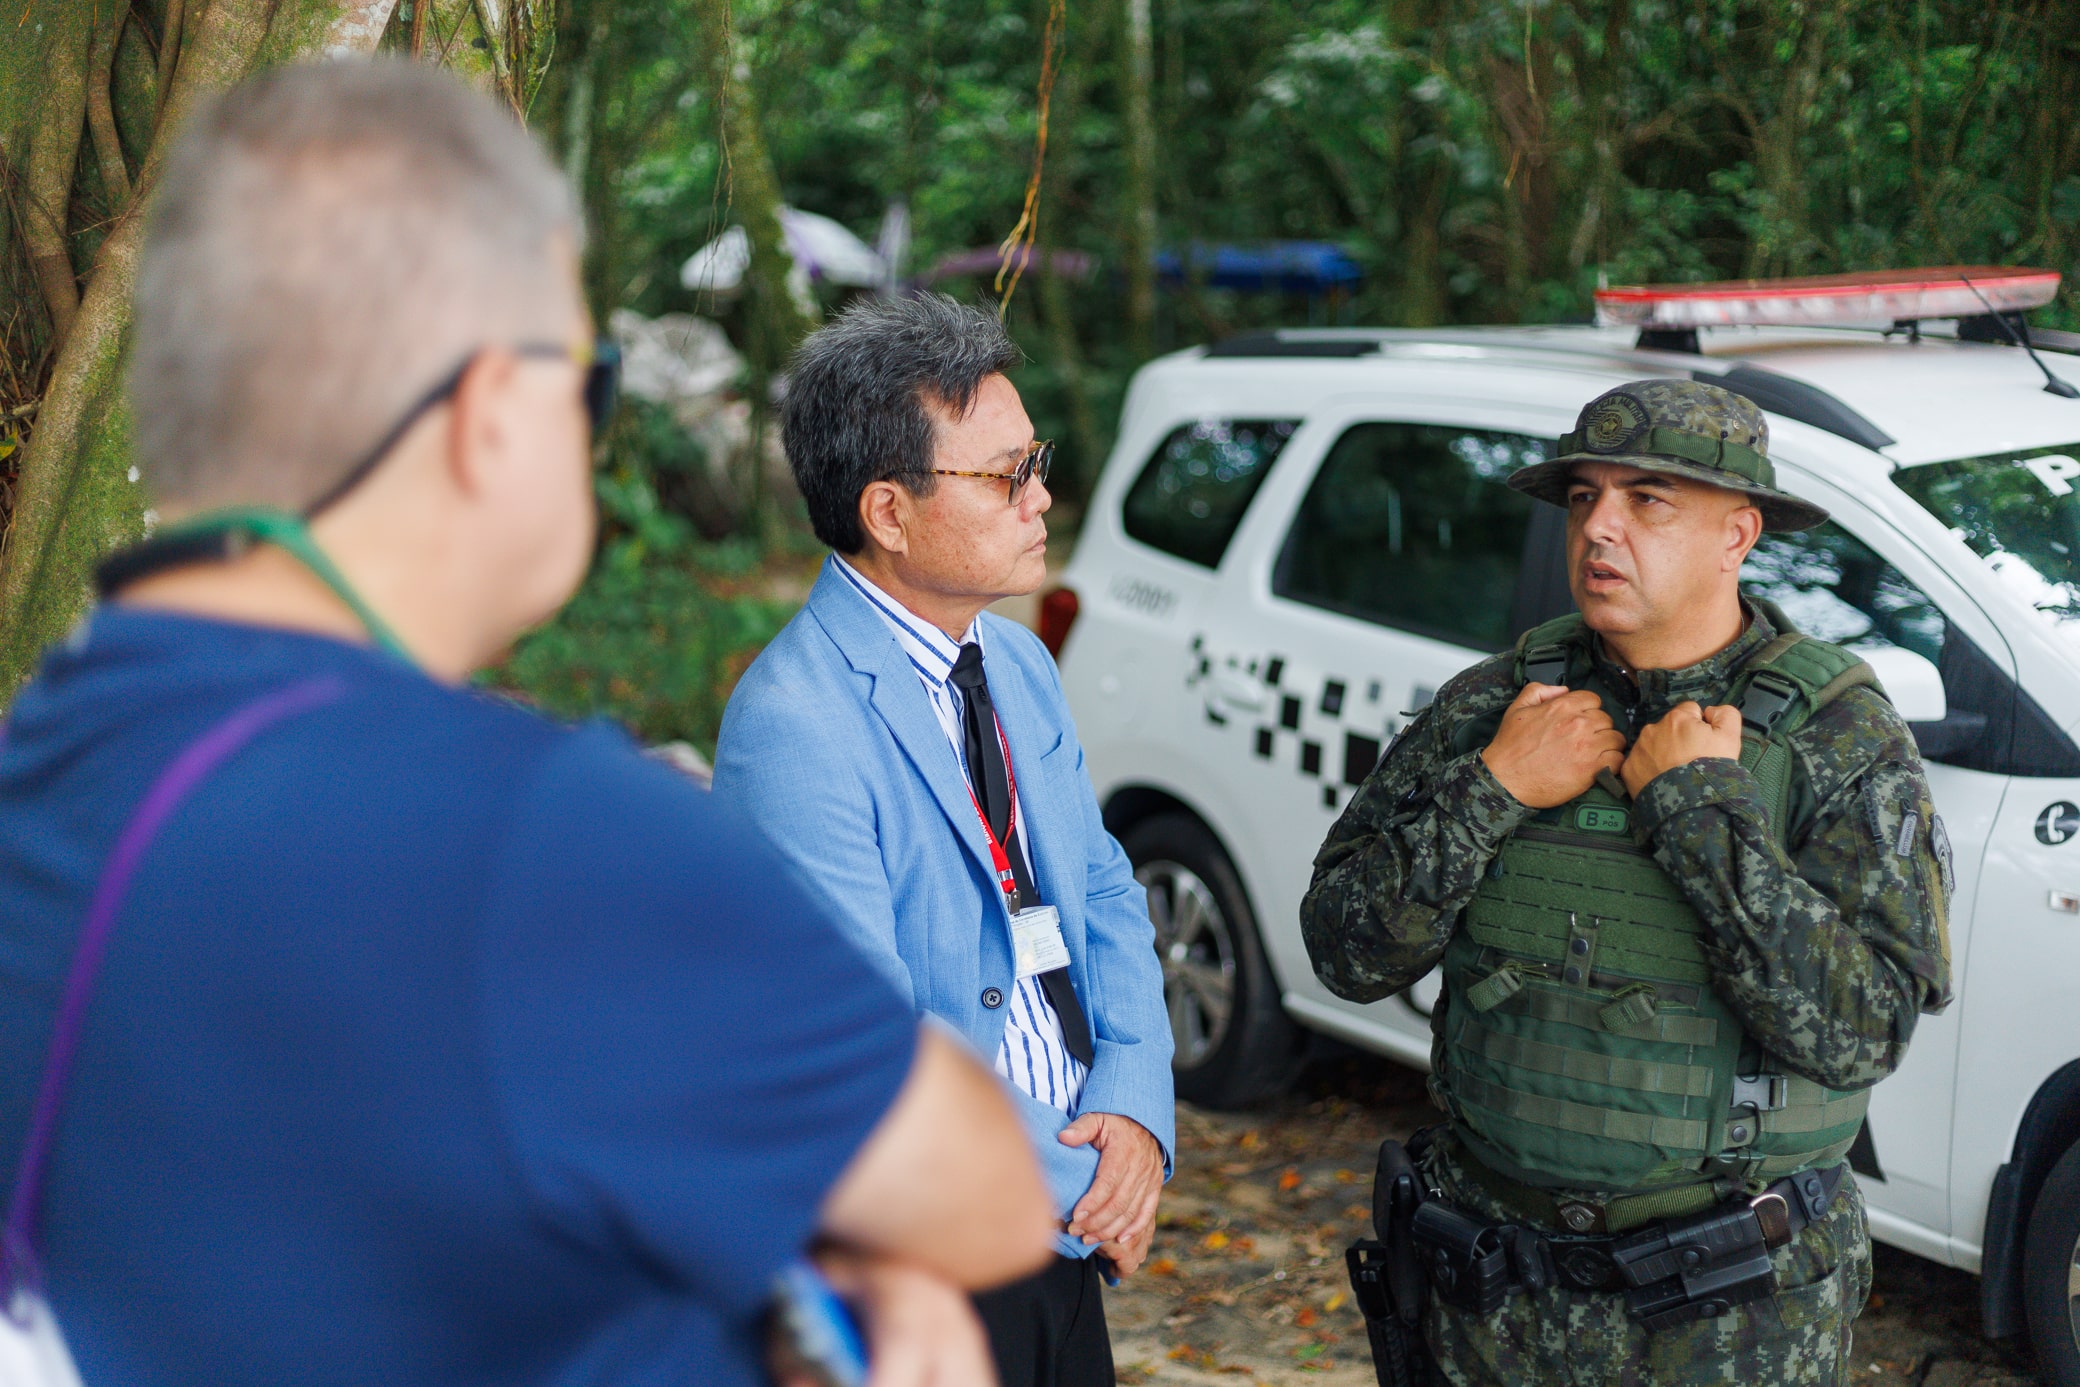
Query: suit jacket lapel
{"type": "Point", "coordinates": [1057, 856]}
{"type": "Point", "coordinates": [899, 699]}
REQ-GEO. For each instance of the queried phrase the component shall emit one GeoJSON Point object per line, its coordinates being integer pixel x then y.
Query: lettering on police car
{"type": "Point", "coordinates": [1143, 597]}
{"type": "Point", "coordinates": [2056, 471]}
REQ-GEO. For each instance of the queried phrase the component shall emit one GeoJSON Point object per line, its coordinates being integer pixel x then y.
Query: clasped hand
{"type": "Point", "coordinates": [1117, 1214]}
{"type": "Point", "coordinates": [1553, 741]}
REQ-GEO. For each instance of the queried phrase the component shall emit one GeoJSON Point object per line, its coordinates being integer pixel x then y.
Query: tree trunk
{"type": "Point", "coordinates": [488, 20]}
{"type": "Point", "coordinates": [75, 499]}
{"type": "Point", "coordinates": [169, 53]}
{"type": "Point", "coordinates": [776, 321]}
{"type": "Point", "coordinates": [753, 192]}
{"type": "Point", "coordinates": [101, 111]}
{"type": "Point", "coordinates": [580, 106]}
{"type": "Point", "coordinates": [53, 156]}
{"type": "Point", "coordinates": [1087, 442]}
{"type": "Point", "coordinates": [1139, 76]}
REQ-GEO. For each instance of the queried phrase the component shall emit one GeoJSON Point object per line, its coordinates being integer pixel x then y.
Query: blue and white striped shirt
{"type": "Point", "coordinates": [1033, 1054]}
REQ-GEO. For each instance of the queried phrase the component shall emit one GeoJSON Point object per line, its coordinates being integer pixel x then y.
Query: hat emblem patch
{"type": "Point", "coordinates": [1612, 423]}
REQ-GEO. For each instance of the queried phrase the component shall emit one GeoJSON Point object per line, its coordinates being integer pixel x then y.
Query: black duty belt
{"type": "Point", "coordinates": [1695, 1265]}
{"type": "Point", "coordinates": [1670, 1272]}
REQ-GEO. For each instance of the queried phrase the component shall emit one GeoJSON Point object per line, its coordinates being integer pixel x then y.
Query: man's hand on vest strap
{"type": "Point", "coordinates": [1552, 742]}
{"type": "Point", "coordinates": [1686, 733]}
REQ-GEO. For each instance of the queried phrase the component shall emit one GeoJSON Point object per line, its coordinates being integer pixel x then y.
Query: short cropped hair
{"type": "Point", "coordinates": [328, 241]}
{"type": "Point", "coordinates": [854, 413]}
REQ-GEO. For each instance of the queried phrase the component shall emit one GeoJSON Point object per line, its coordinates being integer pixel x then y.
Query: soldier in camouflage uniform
{"type": "Point", "coordinates": [1802, 879]}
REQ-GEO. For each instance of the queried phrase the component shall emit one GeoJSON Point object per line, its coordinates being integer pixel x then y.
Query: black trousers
{"type": "Point", "coordinates": [1049, 1329]}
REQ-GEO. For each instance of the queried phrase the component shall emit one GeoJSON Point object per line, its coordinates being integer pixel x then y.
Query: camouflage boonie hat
{"type": "Point", "coordinates": [1685, 428]}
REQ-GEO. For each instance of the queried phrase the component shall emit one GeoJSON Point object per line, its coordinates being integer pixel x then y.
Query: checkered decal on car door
{"type": "Point", "coordinates": [1325, 726]}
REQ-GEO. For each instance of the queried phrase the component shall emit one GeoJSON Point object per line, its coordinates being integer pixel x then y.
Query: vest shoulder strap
{"type": "Point", "coordinates": [1545, 652]}
{"type": "Point", "coordinates": [1794, 677]}
{"type": "Point", "coordinates": [1790, 679]}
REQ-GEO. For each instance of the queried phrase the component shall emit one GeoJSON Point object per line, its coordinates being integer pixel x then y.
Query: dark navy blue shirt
{"type": "Point", "coordinates": [436, 1043]}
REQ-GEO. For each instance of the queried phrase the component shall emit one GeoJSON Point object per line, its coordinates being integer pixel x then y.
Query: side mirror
{"type": "Point", "coordinates": [1911, 680]}
{"type": "Point", "coordinates": [1916, 689]}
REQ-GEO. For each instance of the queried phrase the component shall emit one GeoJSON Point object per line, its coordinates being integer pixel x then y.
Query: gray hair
{"type": "Point", "coordinates": [856, 394]}
{"type": "Point", "coordinates": [327, 242]}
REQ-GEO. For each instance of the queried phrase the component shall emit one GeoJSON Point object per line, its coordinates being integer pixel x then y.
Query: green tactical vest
{"type": "Point", "coordinates": [1583, 1045]}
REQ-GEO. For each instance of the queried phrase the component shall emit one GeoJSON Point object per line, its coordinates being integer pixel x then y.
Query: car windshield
{"type": "Point", "coordinates": [2020, 513]}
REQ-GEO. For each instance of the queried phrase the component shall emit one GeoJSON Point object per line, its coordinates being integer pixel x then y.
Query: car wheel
{"type": "Point", "coordinates": [2051, 1274]}
{"type": "Point", "coordinates": [1234, 1042]}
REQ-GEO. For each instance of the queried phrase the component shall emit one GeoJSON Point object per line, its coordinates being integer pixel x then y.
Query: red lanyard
{"type": "Point", "coordinates": [1000, 859]}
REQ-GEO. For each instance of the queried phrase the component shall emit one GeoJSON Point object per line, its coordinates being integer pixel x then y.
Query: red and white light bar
{"type": "Point", "coordinates": [1879, 297]}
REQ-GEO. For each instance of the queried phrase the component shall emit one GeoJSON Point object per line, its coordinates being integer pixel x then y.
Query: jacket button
{"type": "Point", "coordinates": [1578, 944]}
{"type": "Point", "coordinates": [992, 998]}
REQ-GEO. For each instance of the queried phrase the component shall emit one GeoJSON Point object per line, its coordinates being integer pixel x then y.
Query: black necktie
{"type": "Point", "coordinates": [991, 779]}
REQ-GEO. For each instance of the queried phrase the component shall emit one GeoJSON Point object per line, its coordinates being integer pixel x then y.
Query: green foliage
{"type": "Point", "coordinates": [665, 623]}
{"type": "Point", "coordinates": [1486, 160]}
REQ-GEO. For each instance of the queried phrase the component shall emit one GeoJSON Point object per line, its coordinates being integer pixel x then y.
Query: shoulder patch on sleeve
{"type": "Point", "coordinates": [1848, 737]}
{"type": "Point", "coordinates": [1939, 841]}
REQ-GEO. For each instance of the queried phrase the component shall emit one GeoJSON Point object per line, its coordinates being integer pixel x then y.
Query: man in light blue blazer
{"type": "Point", "coordinates": [913, 757]}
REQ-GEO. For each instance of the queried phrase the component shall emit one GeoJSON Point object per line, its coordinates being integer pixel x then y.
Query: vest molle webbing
{"type": "Point", "coordinates": [1584, 1046]}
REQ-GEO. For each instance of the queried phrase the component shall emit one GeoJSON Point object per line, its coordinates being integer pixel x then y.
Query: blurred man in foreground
{"type": "Point", "coordinates": [942, 811]}
{"type": "Point", "coordinates": [433, 1043]}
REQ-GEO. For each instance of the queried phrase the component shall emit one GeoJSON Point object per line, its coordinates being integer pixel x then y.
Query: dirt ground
{"type": "Point", "coordinates": [1246, 1281]}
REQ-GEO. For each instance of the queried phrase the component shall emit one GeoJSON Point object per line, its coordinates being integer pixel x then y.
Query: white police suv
{"type": "Point", "coordinates": [1300, 535]}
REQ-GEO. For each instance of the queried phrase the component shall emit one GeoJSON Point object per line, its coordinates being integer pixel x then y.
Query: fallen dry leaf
{"type": "Point", "coordinates": [1214, 1241]}
{"type": "Point", "coordinates": [1307, 1319]}
{"type": "Point", "coordinates": [1290, 1180]}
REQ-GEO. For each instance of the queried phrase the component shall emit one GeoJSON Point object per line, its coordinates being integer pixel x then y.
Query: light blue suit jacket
{"type": "Point", "coordinates": [830, 745]}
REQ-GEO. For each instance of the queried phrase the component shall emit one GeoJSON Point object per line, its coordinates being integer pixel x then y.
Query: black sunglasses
{"type": "Point", "coordinates": [601, 361]}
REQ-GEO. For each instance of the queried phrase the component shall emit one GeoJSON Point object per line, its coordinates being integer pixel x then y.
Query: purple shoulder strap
{"type": "Point", "coordinates": [175, 783]}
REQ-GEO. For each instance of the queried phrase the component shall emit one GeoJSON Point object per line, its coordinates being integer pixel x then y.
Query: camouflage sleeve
{"type": "Point", "coordinates": [1401, 861]}
{"type": "Point", "coordinates": [1829, 953]}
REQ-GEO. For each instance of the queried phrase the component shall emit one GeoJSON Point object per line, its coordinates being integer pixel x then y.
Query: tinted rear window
{"type": "Point", "coordinates": [1414, 526]}
{"type": "Point", "coordinates": [1193, 491]}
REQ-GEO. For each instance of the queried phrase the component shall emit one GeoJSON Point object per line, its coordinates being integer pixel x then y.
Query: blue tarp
{"type": "Point", "coordinates": [1286, 267]}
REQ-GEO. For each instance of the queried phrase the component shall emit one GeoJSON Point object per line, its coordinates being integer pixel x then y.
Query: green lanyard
{"type": "Point", "coordinates": [235, 527]}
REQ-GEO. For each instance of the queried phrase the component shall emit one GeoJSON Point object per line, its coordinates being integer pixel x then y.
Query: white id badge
{"type": "Point", "coordinates": [1036, 941]}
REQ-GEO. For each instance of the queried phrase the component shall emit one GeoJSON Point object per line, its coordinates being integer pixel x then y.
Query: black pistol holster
{"type": "Point", "coordinates": [1670, 1271]}
{"type": "Point", "coordinates": [1388, 1275]}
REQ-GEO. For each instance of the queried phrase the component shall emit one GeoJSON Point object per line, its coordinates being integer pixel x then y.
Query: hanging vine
{"type": "Point", "coordinates": [1016, 250]}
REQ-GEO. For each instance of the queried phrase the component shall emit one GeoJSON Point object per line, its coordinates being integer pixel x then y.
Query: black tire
{"type": "Point", "coordinates": [1254, 1050]}
{"type": "Point", "coordinates": [2051, 1274]}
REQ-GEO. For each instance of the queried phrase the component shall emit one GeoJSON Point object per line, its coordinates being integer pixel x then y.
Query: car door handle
{"type": "Point", "coordinates": [1233, 690]}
